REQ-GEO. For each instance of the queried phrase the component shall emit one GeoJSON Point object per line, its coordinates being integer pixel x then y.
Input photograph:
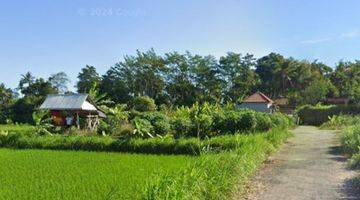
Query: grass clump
{"type": "Point", "coordinates": [349, 136]}
{"type": "Point", "coordinates": [338, 122]}
{"type": "Point", "coordinates": [350, 139]}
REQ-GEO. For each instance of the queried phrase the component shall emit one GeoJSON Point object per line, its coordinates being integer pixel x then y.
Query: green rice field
{"type": "Point", "coordinates": [42, 174]}
{"type": "Point", "coordinates": [16, 128]}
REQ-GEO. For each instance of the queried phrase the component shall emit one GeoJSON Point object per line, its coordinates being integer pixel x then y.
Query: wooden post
{"type": "Point", "coordinates": [77, 120]}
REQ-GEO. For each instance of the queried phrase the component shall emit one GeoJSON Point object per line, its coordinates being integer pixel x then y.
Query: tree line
{"type": "Point", "coordinates": [176, 79]}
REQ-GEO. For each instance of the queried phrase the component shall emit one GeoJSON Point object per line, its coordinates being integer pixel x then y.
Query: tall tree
{"type": "Point", "coordinates": [87, 78]}
{"type": "Point", "coordinates": [6, 101]}
{"type": "Point", "coordinates": [60, 81]}
{"type": "Point", "coordinates": [346, 78]}
{"type": "Point", "coordinates": [116, 84]}
{"type": "Point", "coordinates": [29, 85]}
{"type": "Point", "coordinates": [26, 81]}
{"type": "Point", "coordinates": [140, 75]}
{"type": "Point", "coordinates": [207, 78]}
{"type": "Point", "coordinates": [315, 92]}
{"type": "Point", "coordinates": [179, 84]}
{"type": "Point", "coordinates": [34, 91]}
{"type": "Point", "coordinates": [240, 78]}
{"type": "Point", "coordinates": [273, 74]}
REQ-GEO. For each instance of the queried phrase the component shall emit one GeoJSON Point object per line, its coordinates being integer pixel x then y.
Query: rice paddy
{"type": "Point", "coordinates": [42, 174]}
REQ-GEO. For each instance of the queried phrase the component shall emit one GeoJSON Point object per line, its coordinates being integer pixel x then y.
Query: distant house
{"type": "Point", "coordinates": [283, 106]}
{"type": "Point", "coordinates": [69, 109]}
{"type": "Point", "coordinates": [258, 102]}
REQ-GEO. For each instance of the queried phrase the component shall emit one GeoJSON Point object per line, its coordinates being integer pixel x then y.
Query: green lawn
{"type": "Point", "coordinates": [41, 174]}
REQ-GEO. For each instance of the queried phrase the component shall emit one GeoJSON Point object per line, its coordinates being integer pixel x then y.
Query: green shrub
{"type": "Point", "coordinates": [350, 139]}
{"type": "Point", "coordinates": [281, 120]}
{"type": "Point", "coordinates": [231, 121]}
{"type": "Point", "coordinates": [264, 122]}
{"type": "Point", "coordinates": [247, 121]}
{"type": "Point", "coordinates": [338, 122]}
{"type": "Point", "coordinates": [144, 104]}
{"type": "Point", "coordinates": [117, 116]}
{"type": "Point", "coordinates": [159, 121]}
{"type": "Point", "coordinates": [317, 115]}
{"type": "Point", "coordinates": [125, 130]}
{"type": "Point", "coordinates": [210, 120]}
{"type": "Point", "coordinates": [181, 123]}
{"type": "Point", "coordinates": [181, 126]}
{"type": "Point", "coordinates": [202, 118]}
{"type": "Point", "coordinates": [228, 121]}
{"type": "Point", "coordinates": [142, 128]}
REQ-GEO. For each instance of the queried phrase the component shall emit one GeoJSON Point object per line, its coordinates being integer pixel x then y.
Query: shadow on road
{"type": "Point", "coordinates": [351, 186]}
{"type": "Point", "coordinates": [337, 154]}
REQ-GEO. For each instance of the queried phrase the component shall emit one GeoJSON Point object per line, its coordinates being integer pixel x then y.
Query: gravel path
{"type": "Point", "coordinates": [309, 166]}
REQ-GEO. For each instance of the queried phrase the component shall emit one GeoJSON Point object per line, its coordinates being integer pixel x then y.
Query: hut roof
{"type": "Point", "coordinates": [70, 102]}
{"type": "Point", "coordinates": [258, 97]}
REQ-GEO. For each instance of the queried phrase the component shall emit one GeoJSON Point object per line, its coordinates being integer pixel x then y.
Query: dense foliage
{"type": "Point", "coordinates": [174, 79]}
{"type": "Point", "coordinates": [201, 121]}
{"type": "Point", "coordinates": [319, 114]}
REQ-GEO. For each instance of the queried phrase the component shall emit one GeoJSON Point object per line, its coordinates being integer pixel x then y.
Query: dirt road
{"type": "Point", "coordinates": [309, 166]}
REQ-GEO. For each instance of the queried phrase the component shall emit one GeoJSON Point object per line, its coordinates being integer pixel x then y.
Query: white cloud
{"type": "Point", "coordinates": [346, 35]}
{"type": "Point", "coordinates": [351, 34]}
{"type": "Point", "coordinates": [315, 41]}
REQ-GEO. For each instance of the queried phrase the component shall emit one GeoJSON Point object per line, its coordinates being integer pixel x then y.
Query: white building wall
{"type": "Point", "coordinates": [260, 107]}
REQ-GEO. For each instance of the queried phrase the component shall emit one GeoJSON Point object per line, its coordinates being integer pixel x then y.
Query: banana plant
{"type": "Point", "coordinates": [143, 128]}
{"type": "Point", "coordinates": [42, 123]}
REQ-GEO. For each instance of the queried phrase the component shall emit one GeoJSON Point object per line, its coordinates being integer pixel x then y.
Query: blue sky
{"type": "Point", "coordinates": [46, 37]}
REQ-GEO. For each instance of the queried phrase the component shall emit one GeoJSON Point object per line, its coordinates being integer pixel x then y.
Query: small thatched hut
{"type": "Point", "coordinates": [68, 109]}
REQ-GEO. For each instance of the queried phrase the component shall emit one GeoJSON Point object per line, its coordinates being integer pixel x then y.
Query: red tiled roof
{"type": "Point", "coordinates": [258, 97]}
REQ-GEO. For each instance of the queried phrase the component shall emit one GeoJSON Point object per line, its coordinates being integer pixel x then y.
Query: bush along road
{"type": "Point", "coordinates": [309, 166]}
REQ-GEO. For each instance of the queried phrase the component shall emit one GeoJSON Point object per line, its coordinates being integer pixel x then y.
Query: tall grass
{"type": "Point", "coordinates": [338, 122]}
{"type": "Point", "coordinates": [158, 145]}
{"type": "Point", "coordinates": [350, 141]}
{"type": "Point", "coordinates": [215, 176]}
{"type": "Point", "coordinates": [349, 136]}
